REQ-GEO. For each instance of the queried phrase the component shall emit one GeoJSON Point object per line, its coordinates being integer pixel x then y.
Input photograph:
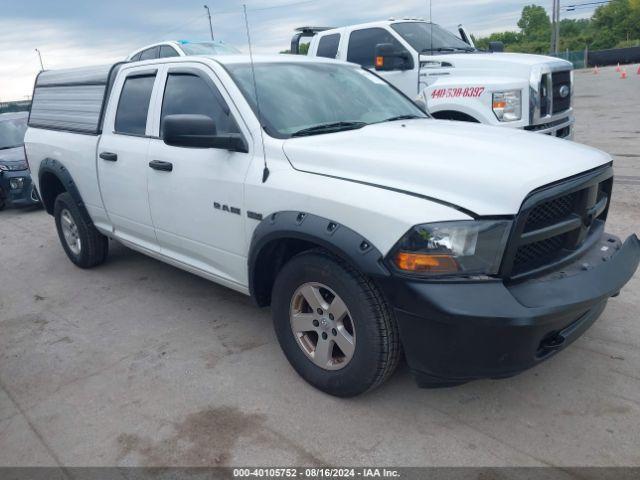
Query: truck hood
{"type": "Point", "coordinates": [507, 64]}
{"type": "Point", "coordinates": [487, 170]}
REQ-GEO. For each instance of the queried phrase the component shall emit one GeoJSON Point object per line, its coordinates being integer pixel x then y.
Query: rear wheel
{"type": "Point", "coordinates": [83, 244]}
{"type": "Point", "coordinates": [333, 325]}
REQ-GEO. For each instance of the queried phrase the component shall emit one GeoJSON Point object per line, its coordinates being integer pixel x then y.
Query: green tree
{"type": "Point", "coordinates": [614, 25]}
{"type": "Point", "coordinates": [508, 38]}
{"type": "Point", "coordinates": [534, 23]}
{"type": "Point", "coordinates": [616, 22]}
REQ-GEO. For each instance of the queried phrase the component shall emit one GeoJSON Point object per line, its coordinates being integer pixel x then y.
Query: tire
{"type": "Point", "coordinates": [376, 345]}
{"type": "Point", "coordinates": [92, 247]}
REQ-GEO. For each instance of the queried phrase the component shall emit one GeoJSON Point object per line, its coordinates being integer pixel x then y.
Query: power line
{"type": "Point", "coordinates": [570, 8]}
{"type": "Point", "coordinates": [261, 9]}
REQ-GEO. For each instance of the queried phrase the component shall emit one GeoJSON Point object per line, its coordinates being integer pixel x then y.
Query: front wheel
{"type": "Point", "coordinates": [83, 244]}
{"type": "Point", "coordinates": [333, 325]}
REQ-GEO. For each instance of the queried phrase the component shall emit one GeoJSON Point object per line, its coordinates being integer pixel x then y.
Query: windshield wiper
{"type": "Point", "coordinates": [448, 49]}
{"type": "Point", "coordinates": [402, 117]}
{"type": "Point", "coordinates": [329, 128]}
{"type": "Point", "coordinates": [10, 147]}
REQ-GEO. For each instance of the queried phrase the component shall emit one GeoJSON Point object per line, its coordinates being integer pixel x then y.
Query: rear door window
{"type": "Point", "coordinates": [167, 52]}
{"type": "Point", "coordinates": [150, 53]}
{"type": "Point", "coordinates": [133, 106]}
{"type": "Point", "coordinates": [328, 46]}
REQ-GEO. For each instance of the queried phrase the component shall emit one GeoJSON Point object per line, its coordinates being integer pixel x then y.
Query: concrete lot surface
{"type": "Point", "coordinates": [138, 363]}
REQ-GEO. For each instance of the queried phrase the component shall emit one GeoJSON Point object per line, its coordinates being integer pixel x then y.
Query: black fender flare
{"type": "Point", "coordinates": [338, 239]}
{"type": "Point", "coordinates": [56, 168]}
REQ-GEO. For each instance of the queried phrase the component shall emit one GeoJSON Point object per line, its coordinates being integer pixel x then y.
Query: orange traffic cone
{"type": "Point", "coordinates": [618, 68]}
{"type": "Point", "coordinates": [596, 71]}
{"type": "Point", "coordinates": [623, 75]}
{"type": "Point", "coordinates": [638, 70]}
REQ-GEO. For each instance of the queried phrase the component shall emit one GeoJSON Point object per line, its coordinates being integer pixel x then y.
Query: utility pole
{"type": "Point", "coordinates": [553, 28]}
{"type": "Point", "coordinates": [40, 57]}
{"type": "Point", "coordinates": [210, 24]}
{"type": "Point", "coordinates": [557, 25]}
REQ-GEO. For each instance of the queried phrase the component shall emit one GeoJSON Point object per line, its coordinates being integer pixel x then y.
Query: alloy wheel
{"type": "Point", "coordinates": [322, 326]}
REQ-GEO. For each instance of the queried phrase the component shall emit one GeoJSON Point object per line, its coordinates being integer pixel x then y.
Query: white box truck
{"type": "Point", "coordinates": [453, 79]}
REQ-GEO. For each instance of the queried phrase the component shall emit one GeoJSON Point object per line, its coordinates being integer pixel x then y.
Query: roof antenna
{"type": "Point", "coordinates": [265, 172]}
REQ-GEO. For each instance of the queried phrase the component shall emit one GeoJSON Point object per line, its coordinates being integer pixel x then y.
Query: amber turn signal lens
{"type": "Point", "coordinates": [420, 262]}
{"type": "Point", "coordinates": [379, 62]}
{"type": "Point", "coordinates": [497, 105]}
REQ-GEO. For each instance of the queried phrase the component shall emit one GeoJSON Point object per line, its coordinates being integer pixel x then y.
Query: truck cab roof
{"type": "Point", "coordinates": [181, 48]}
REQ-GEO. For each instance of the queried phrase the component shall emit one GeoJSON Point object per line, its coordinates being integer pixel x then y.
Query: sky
{"type": "Point", "coordinates": [72, 33]}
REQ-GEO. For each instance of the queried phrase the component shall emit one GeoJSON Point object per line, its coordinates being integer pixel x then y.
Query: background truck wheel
{"type": "Point", "coordinates": [334, 325]}
{"type": "Point", "coordinates": [84, 245]}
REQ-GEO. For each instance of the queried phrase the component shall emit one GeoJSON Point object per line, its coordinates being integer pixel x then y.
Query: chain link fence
{"type": "Point", "coordinates": [586, 58]}
{"type": "Point", "coordinates": [578, 58]}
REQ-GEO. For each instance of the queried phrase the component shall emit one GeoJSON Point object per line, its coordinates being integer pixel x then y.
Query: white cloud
{"type": "Point", "coordinates": [76, 32]}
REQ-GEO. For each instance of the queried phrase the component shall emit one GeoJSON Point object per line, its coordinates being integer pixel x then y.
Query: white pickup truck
{"type": "Point", "coordinates": [321, 191]}
{"type": "Point", "coordinates": [452, 78]}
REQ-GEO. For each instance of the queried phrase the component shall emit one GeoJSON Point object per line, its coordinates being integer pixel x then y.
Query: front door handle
{"type": "Point", "coordinates": [109, 157]}
{"type": "Point", "coordinates": [162, 166]}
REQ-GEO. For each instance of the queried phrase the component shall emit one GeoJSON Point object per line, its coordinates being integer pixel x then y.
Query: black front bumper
{"type": "Point", "coordinates": [18, 197]}
{"type": "Point", "coordinates": [454, 332]}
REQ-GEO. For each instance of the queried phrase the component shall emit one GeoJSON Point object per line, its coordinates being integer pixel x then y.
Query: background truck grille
{"type": "Point", "coordinates": [557, 224]}
{"type": "Point", "coordinates": [559, 80]}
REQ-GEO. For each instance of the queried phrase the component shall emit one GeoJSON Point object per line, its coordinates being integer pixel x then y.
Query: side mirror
{"type": "Point", "coordinates": [199, 131]}
{"type": "Point", "coordinates": [388, 57]}
{"type": "Point", "coordinates": [496, 47]}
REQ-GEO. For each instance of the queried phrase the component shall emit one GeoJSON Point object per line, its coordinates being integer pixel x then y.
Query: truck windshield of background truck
{"type": "Point", "coordinates": [427, 37]}
{"type": "Point", "coordinates": [12, 132]}
{"type": "Point", "coordinates": [299, 99]}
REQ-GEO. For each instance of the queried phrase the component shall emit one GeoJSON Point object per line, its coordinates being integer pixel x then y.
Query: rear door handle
{"type": "Point", "coordinates": [109, 157]}
{"type": "Point", "coordinates": [162, 166]}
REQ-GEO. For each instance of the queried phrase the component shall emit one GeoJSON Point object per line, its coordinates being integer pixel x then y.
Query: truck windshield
{"type": "Point", "coordinates": [427, 38]}
{"type": "Point", "coordinates": [12, 132]}
{"type": "Point", "coordinates": [208, 48]}
{"type": "Point", "coordinates": [301, 99]}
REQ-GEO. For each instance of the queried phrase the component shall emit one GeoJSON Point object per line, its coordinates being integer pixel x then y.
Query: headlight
{"type": "Point", "coordinates": [4, 168]}
{"type": "Point", "coordinates": [16, 183]}
{"type": "Point", "coordinates": [453, 248]}
{"type": "Point", "coordinates": [508, 105]}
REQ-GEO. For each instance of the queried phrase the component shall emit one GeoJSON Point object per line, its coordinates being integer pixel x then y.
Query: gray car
{"type": "Point", "coordinates": [16, 187]}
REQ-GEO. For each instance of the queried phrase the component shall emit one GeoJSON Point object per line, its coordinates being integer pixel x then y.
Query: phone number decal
{"type": "Point", "coordinates": [458, 92]}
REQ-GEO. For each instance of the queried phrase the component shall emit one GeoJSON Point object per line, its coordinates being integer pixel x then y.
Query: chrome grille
{"type": "Point", "coordinates": [560, 80]}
